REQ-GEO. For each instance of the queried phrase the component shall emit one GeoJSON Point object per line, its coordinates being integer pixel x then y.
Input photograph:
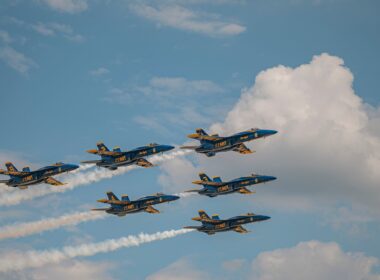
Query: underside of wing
{"type": "Point", "coordinates": [240, 229]}
{"type": "Point", "coordinates": [243, 149]}
{"type": "Point", "coordinates": [91, 161]}
{"type": "Point", "coordinates": [189, 147]}
{"type": "Point", "coordinates": [52, 181]}
{"type": "Point", "coordinates": [144, 163]}
{"type": "Point", "coordinates": [151, 210]}
{"type": "Point", "coordinates": [245, 191]}
{"type": "Point", "coordinates": [99, 209]}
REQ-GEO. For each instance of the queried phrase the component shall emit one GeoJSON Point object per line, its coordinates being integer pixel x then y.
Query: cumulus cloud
{"type": "Point", "coordinates": [327, 150]}
{"type": "Point", "coordinates": [179, 270]}
{"type": "Point", "coordinates": [71, 269]}
{"type": "Point", "coordinates": [182, 18]}
{"type": "Point", "coordinates": [314, 260]}
{"type": "Point", "coordinates": [67, 6]}
{"type": "Point", "coordinates": [16, 60]}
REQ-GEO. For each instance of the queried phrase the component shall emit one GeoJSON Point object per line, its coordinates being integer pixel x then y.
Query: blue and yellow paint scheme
{"type": "Point", "coordinates": [214, 224]}
{"type": "Point", "coordinates": [212, 144]}
{"type": "Point", "coordinates": [215, 187]}
{"type": "Point", "coordinates": [26, 177]}
{"type": "Point", "coordinates": [126, 206]}
{"type": "Point", "coordinates": [115, 158]}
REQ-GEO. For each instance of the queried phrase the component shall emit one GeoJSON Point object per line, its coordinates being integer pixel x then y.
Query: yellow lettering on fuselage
{"type": "Point", "coordinates": [27, 178]}
{"type": "Point", "coordinates": [219, 226]}
{"type": "Point", "coordinates": [143, 153]}
{"type": "Point", "coordinates": [244, 137]}
{"type": "Point", "coordinates": [120, 159]}
{"type": "Point", "coordinates": [130, 206]}
{"type": "Point", "coordinates": [221, 144]}
{"type": "Point", "coordinates": [223, 189]}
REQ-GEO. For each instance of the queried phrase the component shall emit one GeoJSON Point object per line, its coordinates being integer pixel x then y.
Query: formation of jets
{"type": "Point", "coordinates": [209, 145]}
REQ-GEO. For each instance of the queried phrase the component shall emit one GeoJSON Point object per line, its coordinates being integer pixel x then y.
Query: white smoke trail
{"type": "Point", "coordinates": [16, 260]}
{"type": "Point", "coordinates": [185, 194]}
{"type": "Point", "coordinates": [24, 229]}
{"type": "Point", "coordinates": [13, 196]}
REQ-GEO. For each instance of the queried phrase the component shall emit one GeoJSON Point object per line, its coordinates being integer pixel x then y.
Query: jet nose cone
{"type": "Point", "coordinates": [172, 197]}
{"type": "Point", "coordinates": [270, 178]}
{"type": "Point", "coordinates": [167, 148]}
{"type": "Point", "coordinates": [268, 132]}
{"type": "Point", "coordinates": [264, 218]}
{"type": "Point", "coordinates": [73, 166]}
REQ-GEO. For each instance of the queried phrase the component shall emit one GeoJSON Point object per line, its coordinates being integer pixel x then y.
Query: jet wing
{"type": "Point", "coordinates": [243, 149]}
{"type": "Point", "coordinates": [106, 153]}
{"type": "Point", "coordinates": [54, 182]}
{"type": "Point", "coordinates": [151, 210]}
{"type": "Point", "coordinates": [240, 229]}
{"type": "Point", "coordinates": [245, 191]}
{"type": "Point", "coordinates": [208, 183]}
{"type": "Point", "coordinates": [13, 173]}
{"type": "Point", "coordinates": [91, 161]}
{"type": "Point", "coordinates": [99, 209]}
{"type": "Point", "coordinates": [144, 163]}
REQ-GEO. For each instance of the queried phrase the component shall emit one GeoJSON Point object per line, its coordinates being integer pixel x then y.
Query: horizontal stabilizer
{"type": "Point", "coordinates": [4, 181]}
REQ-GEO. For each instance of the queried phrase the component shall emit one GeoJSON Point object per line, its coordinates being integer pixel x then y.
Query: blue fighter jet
{"type": "Point", "coordinates": [212, 144]}
{"type": "Point", "coordinates": [23, 179]}
{"type": "Point", "coordinates": [217, 187]}
{"type": "Point", "coordinates": [126, 206]}
{"type": "Point", "coordinates": [115, 158]}
{"type": "Point", "coordinates": [215, 224]}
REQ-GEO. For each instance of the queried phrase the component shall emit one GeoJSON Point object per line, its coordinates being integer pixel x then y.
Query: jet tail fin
{"type": "Point", "coordinates": [202, 216]}
{"type": "Point", "coordinates": [10, 167]}
{"type": "Point", "coordinates": [204, 177]}
{"type": "Point", "coordinates": [102, 147]}
{"type": "Point", "coordinates": [112, 196]}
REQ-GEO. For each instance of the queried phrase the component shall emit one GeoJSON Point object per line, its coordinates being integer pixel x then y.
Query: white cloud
{"type": "Point", "coordinates": [326, 152]}
{"type": "Point", "coordinates": [54, 28]}
{"type": "Point", "coordinates": [179, 270]}
{"type": "Point", "coordinates": [314, 260]}
{"type": "Point", "coordinates": [71, 269]}
{"type": "Point", "coordinates": [234, 265]}
{"type": "Point", "coordinates": [16, 60]}
{"type": "Point", "coordinates": [67, 6]}
{"type": "Point", "coordinates": [99, 71]}
{"type": "Point", "coordinates": [182, 18]}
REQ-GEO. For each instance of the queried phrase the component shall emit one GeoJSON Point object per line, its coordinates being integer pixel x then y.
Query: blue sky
{"type": "Point", "coordinates": [129, 73]}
